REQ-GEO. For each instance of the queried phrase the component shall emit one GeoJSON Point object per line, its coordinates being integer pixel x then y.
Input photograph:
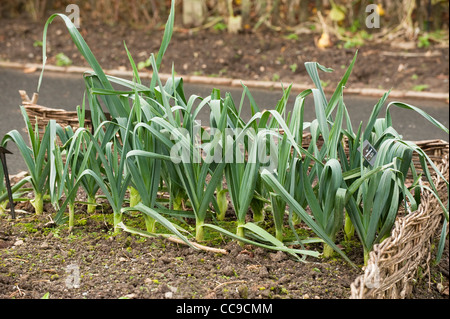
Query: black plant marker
{"type": "Point", "coordinates": [4, 151]}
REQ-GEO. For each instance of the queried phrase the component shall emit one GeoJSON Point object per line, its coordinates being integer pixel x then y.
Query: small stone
{"type": "Point", "coordinates": [228, 271]}
{"type": "Point", "coordinates": [168, 295]}
{"type": "Point", "coordinates": [173, 289]}
{"type": "Point", "coordinates": [305, 296]}
{"type": "Point", "coordinates": [143, 54]}
{"type": "Point", "coordinates": [44, 245]}
{"type": "Point", "coordinates": [279, 256]}
{"type": "Point", "coordinates": [148, 281]}
{"type": "Point", "coordinates": [260, 252]}
{"type": "Point", "coordinates": [445, 292]}
{"type": "Point", "coordinates": [18, 242]}
{"type": "Point", "coordinates": [263, 272]}
{"type": "Point", "coordinates": [284, 280]}
{"type": "Point", "coordinates": [243, 291]}
{"type": "Point", "coordinates": [211, 295]}
{"type": "Point", "coordinates": [243, 257]}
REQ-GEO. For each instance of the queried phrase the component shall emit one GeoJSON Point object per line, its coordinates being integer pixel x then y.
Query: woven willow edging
{"type": "Point", "coordinates": [42, 115]}
{"type": "Point", "coordinates": [393, 264]}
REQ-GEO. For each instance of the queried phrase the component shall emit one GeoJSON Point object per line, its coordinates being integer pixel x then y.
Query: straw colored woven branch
{"type": "Point", "coordinates": [393, 264]}
{"type": "Point", "coordinates": [41, 115]}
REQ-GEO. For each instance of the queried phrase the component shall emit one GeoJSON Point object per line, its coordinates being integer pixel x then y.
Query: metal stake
{"type": "Point", "coordinates": [4, 151]}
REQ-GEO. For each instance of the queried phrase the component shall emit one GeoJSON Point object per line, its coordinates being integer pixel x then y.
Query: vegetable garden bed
{"type": "Point", "coordinates": [308, 191]}
{"type": "Point", "coordinates": [394, 265]}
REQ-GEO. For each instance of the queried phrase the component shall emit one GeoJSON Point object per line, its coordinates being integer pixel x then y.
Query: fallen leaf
{"type": "Point", "coordinates": [324, 41]}
{"type": "Point", "coordinates": [30, 70]}
{"type": "Point", "coordinates": [380, 10]}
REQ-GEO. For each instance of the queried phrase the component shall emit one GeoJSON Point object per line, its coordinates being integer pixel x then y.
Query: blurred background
{"type": "Point", "coordinates": [342, 18]}
{"type": "Point", "coordinates": [402, 44]}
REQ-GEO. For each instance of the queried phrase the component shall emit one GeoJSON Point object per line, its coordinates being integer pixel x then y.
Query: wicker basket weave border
{"type": "Point", "coordinates": [393, 264]}
{"type": "Point", "coordinates": [42, 115]}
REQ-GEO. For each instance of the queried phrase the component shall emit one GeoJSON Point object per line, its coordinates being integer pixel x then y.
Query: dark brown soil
{"type": "Point", "coordinates": [36, 255]}
{"type": "Point", "coordinates": [265, 55]}
{"type": "Point", "coordinates": [39, 258]}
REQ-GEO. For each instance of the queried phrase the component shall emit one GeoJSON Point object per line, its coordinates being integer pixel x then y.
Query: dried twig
{"type": "Point", "coordinates": [205, 248]}
{"type": "Point", "coordinates": [229, 283]}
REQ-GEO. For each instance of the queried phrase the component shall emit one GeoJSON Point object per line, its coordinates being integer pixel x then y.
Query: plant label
{"type": "Point", "coordinates": [369, 152]}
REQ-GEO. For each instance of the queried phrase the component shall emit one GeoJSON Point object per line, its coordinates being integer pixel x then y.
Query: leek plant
{"type": "Point", "coordinates": [69, 172]}
{"type": "Point", "coordinates": [114, 179]}
{"type": "Point", "coordinates": [239, 145]}
{"type": "Point", "coordinates": [222, 202]}
{"type": "Point", "coordinates": [192, 168]}
{"type": "Point", "coordinates": [88, 183]}
{"type": "Point", "coordinates": [241, 175]}
{"type": "Point", "coordinates": [145, 171]}
{"type": "Point", "coordinates": [241, 179]}
{"type": "Point", "coordinates": [287, 162]}
{"type": "Point", "coordinates": [39, 159]}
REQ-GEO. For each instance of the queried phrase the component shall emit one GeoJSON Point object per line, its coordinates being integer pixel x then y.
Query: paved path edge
{"type": "Point", "coordinates": [195, 79]}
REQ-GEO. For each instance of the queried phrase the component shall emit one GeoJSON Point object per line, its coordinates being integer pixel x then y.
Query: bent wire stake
{"type": "Point", "coordinates": [4, 151]}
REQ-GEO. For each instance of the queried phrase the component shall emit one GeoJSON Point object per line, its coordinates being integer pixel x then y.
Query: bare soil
{"type": "Point", "coordinates": [38, 258]}
{"type": "Point", "coordinates": [265, 55]}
